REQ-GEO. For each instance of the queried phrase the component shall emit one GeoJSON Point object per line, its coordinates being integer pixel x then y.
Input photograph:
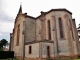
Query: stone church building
{"type": "Point", "coordinates": [52, 34]}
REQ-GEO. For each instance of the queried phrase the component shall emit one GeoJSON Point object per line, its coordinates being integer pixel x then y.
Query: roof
{"type": "Point", "coordinates": [56, 10]}
{"type": "Point", "coordinates": [25, 14]}
{"type": "Point", "coordinates": [30, 17]}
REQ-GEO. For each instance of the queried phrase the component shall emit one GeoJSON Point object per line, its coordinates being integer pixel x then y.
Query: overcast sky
{"type": "Point", "coordinates": [9, 10]}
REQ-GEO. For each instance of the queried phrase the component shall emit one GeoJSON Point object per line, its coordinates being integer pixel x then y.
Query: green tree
{"type": "Point", "coordinates": [1, 48]}
{"type": "Point", "coordinates": [3, 43]}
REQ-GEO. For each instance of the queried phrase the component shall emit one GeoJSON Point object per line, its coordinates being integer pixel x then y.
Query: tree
{"type": "Point", "coordinates": [3, 43]}
{"type": "Point", "coordinates": [1, 49]}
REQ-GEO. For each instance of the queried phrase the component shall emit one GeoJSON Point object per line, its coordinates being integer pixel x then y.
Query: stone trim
{"type": "Point", "coordinates": [46, 41]}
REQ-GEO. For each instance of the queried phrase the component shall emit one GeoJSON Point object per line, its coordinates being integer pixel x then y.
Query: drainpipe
{"type": "Point", "coordinates": [35, 29]}
{"type": "Point", "coordinates": [56, 35]}
{"type": "Point", "coordinates": [24, 33]}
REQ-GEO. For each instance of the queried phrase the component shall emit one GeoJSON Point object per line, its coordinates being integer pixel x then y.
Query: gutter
{"type": "Point", "coordinates": [24, 22]}
{"type": "Point", "coordinates": [56, 36]}
{"type": "Point", "coordinates": [35, 30]}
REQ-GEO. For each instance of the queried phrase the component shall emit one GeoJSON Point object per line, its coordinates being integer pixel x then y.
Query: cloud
{"type": "Point", "coordinates": [6, 23]}
{"type": "Point", "coordinates": [1, 34]}
{"type": "Point", "coordinates": [6, 26]}
{"type": "Point", "coordinates": [5, 36]}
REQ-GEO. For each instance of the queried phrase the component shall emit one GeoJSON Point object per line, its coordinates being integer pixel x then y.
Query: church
{"type": "Point", "coordinates": [51, 35]}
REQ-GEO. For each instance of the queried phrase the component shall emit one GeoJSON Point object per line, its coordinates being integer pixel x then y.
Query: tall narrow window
{"type": "Point", "coordinates": [72, 34]}
{"type": "Point", "coordinates": [18, 34]}
{"type": "Point", "coordinates": [61, 28]}
{"type": "Point", "coordinates": [29, 49]}
{"type": "Point", "coordinates": [70, 24]}
{"type": "Point", "coordinates": [49, 30]}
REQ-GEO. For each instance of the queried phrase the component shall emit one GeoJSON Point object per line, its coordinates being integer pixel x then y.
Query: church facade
{"type": "Point", "coordinates": [53, 35]}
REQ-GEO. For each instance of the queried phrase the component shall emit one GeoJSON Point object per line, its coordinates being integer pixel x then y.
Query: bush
{"type": "Point", "coordinates": [6, 54]}
{"type": "Point", "coordinates": [1, 49]}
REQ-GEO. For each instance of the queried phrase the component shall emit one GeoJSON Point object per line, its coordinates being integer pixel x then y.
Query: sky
{"type": "Point", "coordinates": [10, 8]}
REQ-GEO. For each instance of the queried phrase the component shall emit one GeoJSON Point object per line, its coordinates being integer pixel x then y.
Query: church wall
{"type": "Point", "coordinates": [73, 38]}
{"type": "Point", "coordinates": [34, 50]}
{"type": "Point", "coordinates": [30, 34]}
{"type": "Point", "coordinates": [18, 49]}
{"type": "Point", "coordinates": [76, 38]}
{"type": "Point", "coordinates": [63, 48]}
{"type": "Point", "coordinates": [44, 49]}
{"type": "Point", "coordinates": [30, 30]}
{"type": "Point", "coordinates": [51, 18]}
{"type": "Point", "coordinates": [75, 48]}
{"type": "Point", "coordinates": [38, 30]}
{"type": "Point", "coordinates": [63, 43]}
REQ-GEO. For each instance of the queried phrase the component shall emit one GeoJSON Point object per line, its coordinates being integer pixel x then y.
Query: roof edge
{"type": "Point", "coordinates": [56, 10]}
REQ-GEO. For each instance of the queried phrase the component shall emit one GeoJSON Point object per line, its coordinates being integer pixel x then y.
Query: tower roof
{"type": "Point", "coordinates": [20, 9]}
{"type": "Point", "coordinates": [19, 12]}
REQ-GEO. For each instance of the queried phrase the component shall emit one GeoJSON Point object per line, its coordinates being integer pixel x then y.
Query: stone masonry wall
{"type": "Point", "coordinates": [62, 43]}
{"type": "Point", "coordinates": [18, 49]}
{"type": "Point", "coordinates": [76, 37]}
{"type": "Point", "coordinates": [34, 50]}
{"type": "Point", "coordinates": [30, 30]}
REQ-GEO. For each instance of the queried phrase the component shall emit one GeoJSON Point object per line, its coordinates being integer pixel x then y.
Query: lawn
{"type": "Point", "coordinates": [8, 59]}
{"type": "Point", "coordinates": [77, 59]}
{"type": "Point", "coordinates": [69, 59]}
{"type": "Point", "coordinates": [60, 59]}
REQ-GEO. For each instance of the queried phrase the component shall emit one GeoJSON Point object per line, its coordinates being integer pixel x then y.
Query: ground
{"type": "Point", "coordinates": [61, 59]}
{"type": "Point", "coordinates": [8, 59]}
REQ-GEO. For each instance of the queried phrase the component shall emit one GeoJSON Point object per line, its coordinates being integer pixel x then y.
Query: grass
{"type": "Point", "coordinates": [77, 59]}
{"type": "Point", "coordinates": [69, 59]}
{"type": "Point", "coordinates": [60, 59]}
{"type": "Point", "coordinates": [8, 59]}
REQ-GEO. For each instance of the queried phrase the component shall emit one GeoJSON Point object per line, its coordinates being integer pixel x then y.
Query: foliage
{"type": "Point", "coordinates": [8, 59]}
{"type": "Point", "coordinates": [1, 49]}
{"type": "Point", "coordinates": [3, 42]}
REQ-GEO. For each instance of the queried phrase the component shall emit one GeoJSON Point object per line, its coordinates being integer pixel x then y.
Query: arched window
{"type": "Point", "coordinates": [49, 30]}
{"type": "Point", "coordinates": [18, 34]}
{"type": "Point", "coordinates": [61, 28]}
{"type": "Point", "coordinates": [70, 24]}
